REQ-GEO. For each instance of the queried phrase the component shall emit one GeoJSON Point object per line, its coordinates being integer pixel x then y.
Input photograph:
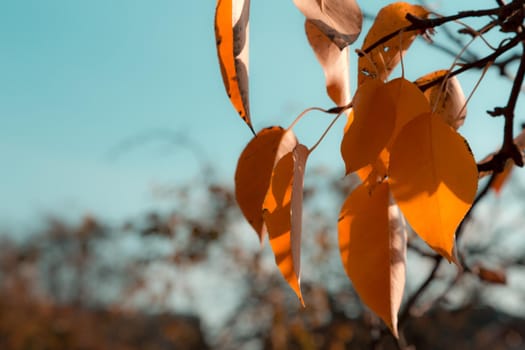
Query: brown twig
{"type": "Point", "coordinates": [405, 314]}
{"type": "Point", "coordinates": [422, 24]}
{"type": "Point", "coordinates": [482, 62]}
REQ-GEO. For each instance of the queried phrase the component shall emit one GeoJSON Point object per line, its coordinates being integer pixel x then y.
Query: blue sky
{"type": "Point", "coordinates": [79, 78]}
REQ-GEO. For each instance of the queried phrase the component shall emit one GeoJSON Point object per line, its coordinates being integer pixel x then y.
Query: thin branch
{"type": "Point", "coordinates": [422, 24]}
{"type": "Point", "coordinates": [479, 63]}
{"type": "Point", "coordinates": [405, 314]}
{"type": "Point", "coordinates": [509, 149]}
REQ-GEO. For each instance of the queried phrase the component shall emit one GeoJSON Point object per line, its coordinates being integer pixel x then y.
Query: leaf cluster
{"type": "Point", "coordinates": [401, 138]}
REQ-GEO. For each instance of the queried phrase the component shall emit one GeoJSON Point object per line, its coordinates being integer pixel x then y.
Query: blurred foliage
{"type": "Point", "coordinates": [93, 285]}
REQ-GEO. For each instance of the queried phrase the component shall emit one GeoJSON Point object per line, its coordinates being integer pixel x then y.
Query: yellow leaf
{"type": "Point", "coordinates": [339, 20]}
{"type": "Point", "coordinates": [254, 171]}
{"type": "Point", "coordinates": [434, 179]}
{"type": "Point", "coordinates": [283, 214]}
{"type": "Point", "coordinates": [372, 243]}
{"type": "Point", "coordinates": [380, 62]}
{"type": "Point", "coordinates": [371, 126]}
{"type": "Point", "coordinates": [335, 63]}
{"type": "Point", "coordinates": [447, 100]}
{"type": "Point", "coordinates": [231, 35]}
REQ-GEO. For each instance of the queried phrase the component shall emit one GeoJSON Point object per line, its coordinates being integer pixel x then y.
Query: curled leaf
{"type": "Point", "coordinates": [379, 62]}
{"type": "Point", "coordinates": [283, 214]}
{"type": "Point", "coordinates": [334, 62]}
{"type": "Point", "coordinates": [231, 35]}
{"type": "Point", "coordinates": [372, 243]}
{"type": "Point", "coordinates": [446, 99]}
{"type": "Point", "coordinates": [254, 171]}
{"type": "Point", "coordinates": [501, 179]}
{"type": "Point", "coordinates": [339, 20]}
{"type": "Point", "coordinates": [434, 179]}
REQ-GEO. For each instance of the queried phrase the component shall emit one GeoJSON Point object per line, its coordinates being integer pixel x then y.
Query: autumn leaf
{"type": "Point", "coordinates": [335, 63]}
{"type": "Point", "coordinates": [433, 179]}
{"type": "Point", "coordinates": [409, 103]}
{"type": "Point", "coordinates": [380, 61]}
{"type": "Point", "coordinates": [371, 126]}
{"type": "Point", "coordinates": [254, 171]}
{"type": "Point", "coordinates": [283, 214]}
{"type": "Point", "coordinates": [495, 276]}
{"type": "Point", "coordinates": [501, 178]}
{"type": "Point", "coordinates": [446, 99]}
{"type": "Point", "coordinates": [409, 100]}
{"type": "Point", "coordinates": [339, 20]}
{"type": "Point", "coordinates": [231, 35]}
{"type": "Point", "coordinates": [372, 243]}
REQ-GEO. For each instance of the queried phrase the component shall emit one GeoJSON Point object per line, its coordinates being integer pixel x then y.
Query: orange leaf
{"type": "Point", "coordinates": [371, 127]}
{"type": "Point", "coordinates": [446, 99]}
{"type": "Point", "coordinates": [254, 171]}
{"type": "Point", "coordinates": [339, 20]}
{"type": "Point", "coordinates": [335, 63]}
{"type": "Point", "coordinates": [231, 35]}
{"type": "Point", "coordinates": [409, 103]}
{"type": "Point", "coordinates": [434, 179]}
{"type": "Point", "coordinates": [372, 243]}
{"type": "Point", "coordinates": [380, 62]}
{"type": "Point", "coordinates": [283, 214]}
{"type": "Point", "coordinates": [501, 179]}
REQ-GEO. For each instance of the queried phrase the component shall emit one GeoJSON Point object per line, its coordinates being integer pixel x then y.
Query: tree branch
{"type": "Point", "coordinates": [422, 24]}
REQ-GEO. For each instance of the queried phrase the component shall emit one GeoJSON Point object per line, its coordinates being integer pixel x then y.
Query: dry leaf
{"type": "Point", "coordinates": [495, 276]}
{"type": "Point", "coordinates": [254, 171]}
{"type": "Point", "coordinates": [434, 179]}
{"type": "Point", "coordinates": [501, 179]}
{"type": "Point", "coordinates": [372, 243]}
{"type": "Point", "coordinates": [446, 99]}
{"type": "Point", "coordinates": [231, 35]}
{"type": "Point", "coordinates": [380, 62]}
{"type": "Point", "coordinates": [334, 61]}
{"type": "Point", "coordinates": [339, 20]}
{"type": "Point", "coordinates": [283, 215]}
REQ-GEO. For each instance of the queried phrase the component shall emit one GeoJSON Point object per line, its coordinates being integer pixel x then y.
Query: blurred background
{"type": "Point", "coordinates": [118, 226]}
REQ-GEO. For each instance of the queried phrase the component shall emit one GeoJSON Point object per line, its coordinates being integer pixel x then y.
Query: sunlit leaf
{"type": "Point", "coordinates": [434, 179]}
{"type": "Point", "coordinates": [339, 20]}
{"type": "Point", "coordinates": [372, 243]}
{"type": "Point", "coordinates": [335, 63]}
{"type": "Point", "coordinates": [446, 99]}
{"type": "Point", "coordinates": [283, 214]}
{"type": "Point", "coordinates": [254, 171]}
{"type": "Point", "coordinates": [232, 39]}
{"type": "Point", "coordinates": [380, 62]}
{"type": "Point", "coordinates": [409, 103]}
{"type": "Point", "coordinates": [371, 127]}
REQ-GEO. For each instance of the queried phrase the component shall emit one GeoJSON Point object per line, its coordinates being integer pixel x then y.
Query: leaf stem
{"type": "Point", "coordinates": [325, 132]}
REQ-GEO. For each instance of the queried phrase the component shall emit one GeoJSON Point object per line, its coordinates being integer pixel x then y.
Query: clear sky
{"type": "Point", "coordinates": [77, 79]}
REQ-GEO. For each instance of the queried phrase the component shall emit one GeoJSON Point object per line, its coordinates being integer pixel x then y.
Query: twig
{"type": "Point", "coordinates": [508, 150]}
{"type": "Point", "coordinates": [405, 314]}
{"type": "Point", "coordinates": [422, 24]}
{"type": "Point", "coordinates": [479, 63]}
